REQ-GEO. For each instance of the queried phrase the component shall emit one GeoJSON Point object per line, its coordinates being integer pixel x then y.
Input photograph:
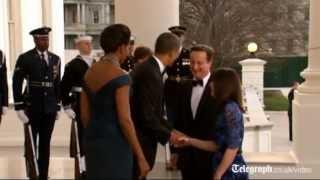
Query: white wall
{"type": "Point", "coordinates": [4, 26]}
{"type": "Point", "coordinates": [56, 22]}
{"type": "Point", "coordinates": [31, 18]}
{"type": "Point", "coordinates": [147, 18]}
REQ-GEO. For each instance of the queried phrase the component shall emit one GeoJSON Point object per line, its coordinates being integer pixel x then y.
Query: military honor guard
{"type": "Point", "coordinates": [71, 87]}
{"type": "Point", "coordinates": [129, 63]}
{"type": "Point", "coordinates": [177, 73]}
{"type": "Point", "coordinates": [3, 86]}
{"type": "Point", "coordinates": [180, 70]}
{"type": "Point", "coordinates": [37, 105]}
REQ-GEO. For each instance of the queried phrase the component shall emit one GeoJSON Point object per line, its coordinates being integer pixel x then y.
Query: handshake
{"type": "Point", "coordinates": [179, 139]}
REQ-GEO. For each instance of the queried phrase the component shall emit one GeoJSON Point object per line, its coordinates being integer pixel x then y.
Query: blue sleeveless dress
{"type": "Point", "coordinates": [108, 154]}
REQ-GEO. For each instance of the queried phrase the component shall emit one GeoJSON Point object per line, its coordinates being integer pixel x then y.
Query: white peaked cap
{"type": "Point", "coordinates": [83, 38]}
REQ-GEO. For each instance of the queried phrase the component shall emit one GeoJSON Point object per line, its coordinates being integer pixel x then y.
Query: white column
{"type": "Point", "coordinates": [31, 18]}
{"type": "Point", "coordinates": [83, 13]}
{"type": "Point", "coordinates": [102, 14]}
{"type": "Point", "coordinates": [54, 18]}
{"type": "Point", "coordinates": [4, 27]}
{"type": "Point", "coordinates": [306, 105]}
{"type": "Point", "coordinates": [78, 13]}
{"type": "Point", "coordinates": [108, 16]}
{"type": "Point", "coordinates": [147, 18]}
{"type": "Point", "coordinates": [253, 75]}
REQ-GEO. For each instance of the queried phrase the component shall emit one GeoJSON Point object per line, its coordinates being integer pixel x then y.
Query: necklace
{"type": "Point", "coordinates": [111, 59]}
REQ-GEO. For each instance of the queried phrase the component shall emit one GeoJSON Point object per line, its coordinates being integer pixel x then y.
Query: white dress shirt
{"type": "Point", "coordinates": [46, 56]}
{"type": "Point", "coordinates": [197, 92]}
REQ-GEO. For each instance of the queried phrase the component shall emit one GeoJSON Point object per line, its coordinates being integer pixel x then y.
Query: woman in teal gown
{"type": "Point", "coordinates": [110, 138]}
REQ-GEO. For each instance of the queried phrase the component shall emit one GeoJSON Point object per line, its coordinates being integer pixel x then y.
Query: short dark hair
{"type": "Point", "coordinates": [204, 48]}
{"type": "Point", "coordinates": [113, 36]}
{"type": "Point", "coordinates": [142, 52]}
{"type": "Point", "coordinates": [166, 43]}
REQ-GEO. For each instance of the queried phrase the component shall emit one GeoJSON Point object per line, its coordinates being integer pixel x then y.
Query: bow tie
{"type": "Point", "coordinates": [197, 82]}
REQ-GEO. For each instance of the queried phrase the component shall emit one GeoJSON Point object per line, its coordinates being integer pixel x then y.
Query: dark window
{"type": "Point", "coordinates": [69, 41]}
{"type": "Point", "coordinates": [95, 17]}
{"type": "Point", "coordinates": [70, 13]}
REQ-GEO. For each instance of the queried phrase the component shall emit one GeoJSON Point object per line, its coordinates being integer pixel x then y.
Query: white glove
{"type": "Point", "coordinates": [70, 113]}
{"type": "Point", "coordinates": [83, 163]}
{"type": "Point", "coordinates": [22, 116]}
{"type": "Point", "coordinates": [4, 110]}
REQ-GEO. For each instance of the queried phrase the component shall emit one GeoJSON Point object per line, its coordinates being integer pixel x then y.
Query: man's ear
{"type": "Point", "coordinates": [211, 64]}
{"type": "Point", "coordinates": [124, 48]}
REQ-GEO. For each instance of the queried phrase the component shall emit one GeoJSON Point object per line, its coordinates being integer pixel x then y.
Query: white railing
{"type": "Point", "coordinates": [258, 128]}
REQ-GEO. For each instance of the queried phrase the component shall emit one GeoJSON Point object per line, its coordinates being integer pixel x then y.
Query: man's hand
{"type": "Point", "coordinates": [4, 110]}
{"type": "Point", "coordinates": [70, 113]}
{"type": "Point", "coordinates": [183, 142]}
{"type": "Point", "coordinates": [22, 117]}
{"type": "Point", "coordinates": [175, 136]}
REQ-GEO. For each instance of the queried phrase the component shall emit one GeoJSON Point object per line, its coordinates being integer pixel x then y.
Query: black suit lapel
{"type": "Point", "coordinates": [204, 98]}
{"type": "Point", "coordinates": [155, 65]}
{"type": "Point", "coordinates": [38, 59]}
{"type": "Point", "coordinates": [35, 54]}
{"type": "Point", "coordinates": [83, 61]}
{"type": "Point", "coordinates": [189, 94]}
{"type": "Point", "coordinates": [153, 62]}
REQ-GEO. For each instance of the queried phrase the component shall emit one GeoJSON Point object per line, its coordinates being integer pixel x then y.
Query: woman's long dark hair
{"type": "Point", "coordinates": [227, 86]}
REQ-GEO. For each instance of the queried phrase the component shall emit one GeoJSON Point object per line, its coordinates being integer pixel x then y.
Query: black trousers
{"type": "Point", "coordinates": [189, 172]}
{"type": "Point", "coordinates": [195, 164]}
{"type": "Point", "coordinates": [42, 125]}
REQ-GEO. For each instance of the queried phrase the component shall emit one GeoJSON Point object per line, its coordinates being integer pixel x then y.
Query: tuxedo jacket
{"type": "Point", "coordinates": [201, 127]}
{"type": "Point", "coordinates": [147, 110]}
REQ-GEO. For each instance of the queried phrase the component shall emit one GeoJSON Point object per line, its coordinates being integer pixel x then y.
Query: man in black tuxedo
{"type": "Point", "coordinates": [147, 98]}
{"type": "Point", "coordinates": [197, 115]}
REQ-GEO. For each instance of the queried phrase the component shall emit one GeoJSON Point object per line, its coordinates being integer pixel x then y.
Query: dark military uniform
{"type": "Point", "coordinates": [40, 98]}
{"type": "Point", "coordinates": [3, 83]}
{"type": "Point", "coordinates": [128, 64]}
{"type": "Point", "coordinates": [71, 87]}
{"type": "Point", "coordinates": [178, 72]}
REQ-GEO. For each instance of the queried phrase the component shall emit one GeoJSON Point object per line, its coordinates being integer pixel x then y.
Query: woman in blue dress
{"type": "Point", "coordinates": [110, 137]}
{"type": "Point", "coordinates": [228, 163]}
